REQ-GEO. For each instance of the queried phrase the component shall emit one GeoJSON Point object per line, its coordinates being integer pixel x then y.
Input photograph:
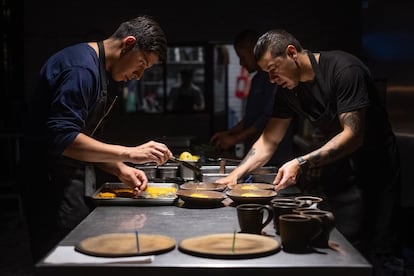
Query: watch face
{"type": "Point", "coordinates": [301, 161]}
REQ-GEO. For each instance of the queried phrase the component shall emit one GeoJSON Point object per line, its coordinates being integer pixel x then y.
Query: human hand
{"type": "Point", "coordinates": [150, 152]}
{"type": "Point", "coordinates": [133, 177]}
{"type": "Point", "coordinates": [228, 180]}
{"type": "Point", "coordinates": [223, 140]}
{"type": "Point", "coordinates": [287, 175]}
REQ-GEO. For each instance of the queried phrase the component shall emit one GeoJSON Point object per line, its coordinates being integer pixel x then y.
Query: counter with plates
{"type": "Point", "coordinates": [183, 224]}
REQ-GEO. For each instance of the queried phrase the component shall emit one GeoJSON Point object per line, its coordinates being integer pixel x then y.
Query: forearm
{"type": "Point", "coordinates": [111, 168]}
{"type": "Point", "coordinates": [341, 145]}
{"type": "Point", "coordinates": [257, 156]}
{"type": "Point", "coordinates": [334, 149]}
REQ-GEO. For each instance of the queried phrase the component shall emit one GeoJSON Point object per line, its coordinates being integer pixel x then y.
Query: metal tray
{"type": "Point", "coordinates": [142, 200]}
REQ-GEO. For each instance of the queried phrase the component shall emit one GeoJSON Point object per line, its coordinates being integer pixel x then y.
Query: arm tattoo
{"type": "Point", "coordinates": [251, 152]}
{"type": "Point", "coordinates": [352, 120]}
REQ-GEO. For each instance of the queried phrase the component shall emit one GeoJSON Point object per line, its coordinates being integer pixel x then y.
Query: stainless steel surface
{"type": "Point", "coordinates": [149, 169]}
{"type": "Point", "coordinates": [192, 167]}
{"type": "Point", "coordinates": [182, 223]}
{"type": "Point", "coordinates": [215, 169]}
{"type": "Point", "coordinates": [212, 177]}
{"type": "Point", "coordinates": [168, 171]}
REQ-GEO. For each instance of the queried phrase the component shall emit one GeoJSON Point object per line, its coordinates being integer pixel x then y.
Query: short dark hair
{"type": "Point", "coordinates": [148, 33]}
{"type": "Point", "coordinates": [276, 41]}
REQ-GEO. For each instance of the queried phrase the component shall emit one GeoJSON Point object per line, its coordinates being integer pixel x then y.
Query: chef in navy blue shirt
{"type": "Point", "coordinates": [64, 119]}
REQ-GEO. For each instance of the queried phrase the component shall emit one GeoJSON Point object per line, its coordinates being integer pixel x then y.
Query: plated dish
{"type": "Point", "coordinates": [230, 246]}
{"type": "Point", "coordinates": [240, 196]}
{"type": "Point", "coordinates": [125, 245]}
{"type": "Point", "coordinates": [121, 194]}
{"type": "Point", "coordinates": [252, 186]}
{"type": "Point", "coordinates": [204, 186]}
{"type": "Point", "coordinates": [199, 197]}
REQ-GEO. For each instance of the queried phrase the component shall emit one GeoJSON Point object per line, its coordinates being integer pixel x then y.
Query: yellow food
{"type": "Point", "coordinates": [154, 192]}
{"type": "Point", "coordinates": [249, 194]}
{"type": "Point", "coordinates": [106, 195]}
{"type": "Point", "coordinates": [199, 195]}
{"type": "Point", "coordinates": [124, 192]}
{"type": "Point", "coordinates": [195, 158]}
{"type": "Point", "coordinates": [249, 187]}
{"type": "Point", "coordinates": [186, 156]}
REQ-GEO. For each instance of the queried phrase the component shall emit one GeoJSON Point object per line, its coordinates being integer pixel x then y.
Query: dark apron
{"type": "Point", "coordinates": [327, 176]}
{"type": "Point", "coordinates": [336, 182]}
{"type": "Point", "coordinates": [364, 201]}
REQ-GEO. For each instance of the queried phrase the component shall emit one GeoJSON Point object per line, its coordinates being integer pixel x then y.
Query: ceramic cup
{"type": "Point", "coordinates": [281, 208]}
{"type": "Point", "coordinates": [279, 199]}
{"type": "Point", "coordinates": [328, 223]}
{"type": "Point", "coordinates": [309, 201]}
{"type": "Point", "coordinates": [253, 217]}
{"type": "Point", "coordinates": [297, 232]}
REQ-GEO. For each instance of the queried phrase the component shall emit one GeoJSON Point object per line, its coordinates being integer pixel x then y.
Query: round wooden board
{"type": "Point", "coordinates": [125, 245]}
{"type": "Point", "coordinates": [221, 245]}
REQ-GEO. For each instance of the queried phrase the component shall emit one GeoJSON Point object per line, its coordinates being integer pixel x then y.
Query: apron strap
{"type": "Point", "coordinates": [319, 77]}
{"type": "Point", "coordinates": [104, 84]}
{"type": "Point", "coordinates": [102, 70]}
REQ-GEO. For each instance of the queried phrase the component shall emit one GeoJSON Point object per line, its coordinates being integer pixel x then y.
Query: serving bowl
{"type": "Point", "coordinates": [240, 196]}
{"type": "Point", "coordinates": [252, 186]}
{"type": "Point", "coordinates": [203, 186]}
{"type": "Point", "coordinates": [198, 197]}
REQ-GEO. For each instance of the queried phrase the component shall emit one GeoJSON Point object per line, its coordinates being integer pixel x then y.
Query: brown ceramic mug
{"type": "Point", "coordinates": [328, 223]}
{"type": "Point", "coordinates": [309, 200]}
{"type": "Point", "coordinates": [280, 208]}
{"type": "Point", "coordinates": [297, 231]}
{"type": "Point", "coordinates": [254, 217]}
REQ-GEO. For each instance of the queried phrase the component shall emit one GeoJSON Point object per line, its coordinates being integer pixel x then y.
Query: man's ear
{"type": "Point", "coordinates": [291, 51]}
{"type": "Point", "coordinates": [129, 42]}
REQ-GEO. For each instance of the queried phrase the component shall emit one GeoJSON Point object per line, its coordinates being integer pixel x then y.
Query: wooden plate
{"type": "Point", "coordinates": [125, 245]}
{"type": "Point", "coordinates": [221, 246]}
{"type": "Point", "coordinates": [252, 186]}
{"type": "Point", "coordinates": [197, 197]}
{"type": "Point", "coordinates": [204, 186]}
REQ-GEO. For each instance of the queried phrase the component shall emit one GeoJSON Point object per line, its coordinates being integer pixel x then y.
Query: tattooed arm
{"type": "Point", "coordinates": [345, 142]}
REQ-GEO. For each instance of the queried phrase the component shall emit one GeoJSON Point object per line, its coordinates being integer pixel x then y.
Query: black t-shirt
{"type": "Point", "coordinates": [345, 84]}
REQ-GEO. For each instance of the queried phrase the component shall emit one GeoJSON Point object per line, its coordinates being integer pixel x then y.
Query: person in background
{"type": "Point", "coordinates": [187, 96]}
{"type": "Point", "coordinates": [259, 105]}
{"type": "Point", "coordinates": [359, 159]}
{"type": "Point", "coordinates": [64, 122]}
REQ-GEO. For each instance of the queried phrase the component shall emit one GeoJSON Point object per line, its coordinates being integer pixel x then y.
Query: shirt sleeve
{"type": "Point", "coordinates": [75, 95]}
{"type": "Point", "coordinates": [352, 90]}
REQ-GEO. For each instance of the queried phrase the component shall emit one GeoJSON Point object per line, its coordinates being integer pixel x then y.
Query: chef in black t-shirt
{"type": "Point", "coordinates": [358, 162]}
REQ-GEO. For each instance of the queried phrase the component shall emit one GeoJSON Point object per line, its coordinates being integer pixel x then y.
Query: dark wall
{"type": "Point", "coordinates": [50, 25]}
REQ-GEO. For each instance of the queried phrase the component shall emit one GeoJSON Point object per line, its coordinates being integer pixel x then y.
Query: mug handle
{"type": "Point", "coordinates": [269, 210]}
{"type": "Point", "coordinates": [316, 226]}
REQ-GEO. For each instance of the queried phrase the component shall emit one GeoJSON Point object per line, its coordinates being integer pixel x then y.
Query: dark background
{"type": "Point", "coordinates": [380, 32]}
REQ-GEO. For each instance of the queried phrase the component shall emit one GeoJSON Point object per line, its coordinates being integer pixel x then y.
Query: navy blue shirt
{"type": "Point", "coordinates": [259, 106]}
{"type": "Point", "coordinates": [68, 90]}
